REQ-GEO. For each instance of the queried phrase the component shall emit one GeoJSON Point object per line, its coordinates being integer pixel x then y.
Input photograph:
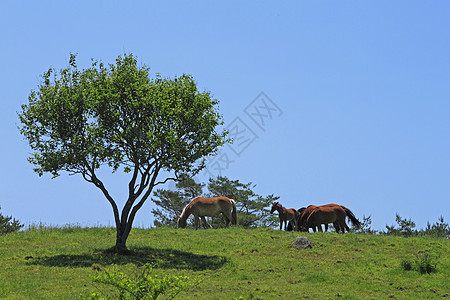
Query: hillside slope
{"type": "Point", "coordinates": [233, 263]}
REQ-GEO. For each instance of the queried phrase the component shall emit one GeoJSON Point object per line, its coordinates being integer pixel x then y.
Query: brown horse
{"type": "Point", "coordinates": [208, 207]}
{"type": "Point", "coordinates": [294, 223]}
{"type": "Point", "coordinates": [301, 220]}
{"type": "Point", "coordinates": [284, 214]}
{"type": "Point", "coordinates": [335, 214]}
{"type": "Point", "coordinates": [324, 215]}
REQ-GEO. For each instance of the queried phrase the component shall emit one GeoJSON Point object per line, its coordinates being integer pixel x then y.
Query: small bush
{"type": "Point", "coordinates": [144, 286]}
{"type": "Point", "coordinates": [8, 226]}
{"type": "Point", "coordinates": [424, 263]}
{"type": "Point", "coordinates": [406, 264]}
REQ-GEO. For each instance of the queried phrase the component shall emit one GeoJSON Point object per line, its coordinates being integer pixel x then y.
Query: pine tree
{"type": "Point", "coordinates": [8, 226]}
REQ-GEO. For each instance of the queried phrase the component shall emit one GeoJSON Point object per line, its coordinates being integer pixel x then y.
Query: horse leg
{"type": "Point", "coordinates": [227, 219]}
{"type": "Point", "coordinates": [342, 227]}
{"type": "Point", "coordinates": [338, 227]}
{"type": "Point", "coordinates": [289, 227]}
{"type": "Point", "coordinates": [196, 223]}
{"type": "Point", "coordinates": [281, 224]}
{"type": "Point", "coordinates": [294, 225]}
{"type": "Point", "coordinates": [206, 225]}
{"type": "Point", "coordinates": [346, 227]}
{"type": "Point", "coordinates": [203, 222]}
{"type": "Point", "coordinates": [326, 227]}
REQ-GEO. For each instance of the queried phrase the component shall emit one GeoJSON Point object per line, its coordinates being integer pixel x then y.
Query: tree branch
{"type": "Point", "coordinates": [143, 199]}
{"type": "Point", "coordinates": [176, 178]}
{"type": "Point", "coordinates": [98, 183]}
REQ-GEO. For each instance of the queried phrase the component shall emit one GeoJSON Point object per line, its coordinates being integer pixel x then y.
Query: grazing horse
{"type": "Point", "coordinates": [294, 223]}
{"type": "Point", "coordinates": [335, 214]}
{"type": "Point", "coordinates": [301, 220]}
{"type": "Point", "coordinates": [324, 215]}
{"type": "Point", "coordinates": [208, 207]}
{"type": "Point", "coordinates": [284, 214]}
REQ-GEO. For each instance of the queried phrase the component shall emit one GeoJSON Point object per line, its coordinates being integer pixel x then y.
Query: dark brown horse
{"type": "Point", "coordinates": [284, 214]}
{"type": "Point", "coordinates": [324, 215]}
{"type": "Point", "coordinates": [339, 226]}
{"type": "Point", "coordinates": [301, 220]}
{"type": "Point", "coordinates": [208, 207]}
{"type": "Point", "coordinates": [335, 214]}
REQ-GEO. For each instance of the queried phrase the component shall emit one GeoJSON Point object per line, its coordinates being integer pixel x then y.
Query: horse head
{"type": "Point", "coordinates": [274, 207]}
{"type": "Point", "coordinates": [181, 222]}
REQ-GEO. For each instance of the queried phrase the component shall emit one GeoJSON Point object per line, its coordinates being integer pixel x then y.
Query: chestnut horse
{"type": "Point", "coordinates": [301, 220]}
{"type": "Point", "coordinates": [284, 214]}
{"type": "Point", "coordinates": [208, 207]}
{"type": "Point", "coordinates": [331, 213]}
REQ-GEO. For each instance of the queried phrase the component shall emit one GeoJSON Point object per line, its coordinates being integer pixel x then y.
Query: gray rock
{"type": "Point", "coordinates": [301, 242]}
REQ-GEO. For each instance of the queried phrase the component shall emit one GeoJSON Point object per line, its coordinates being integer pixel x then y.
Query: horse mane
{"type": "Point", "coordinates": [186, 212]}
{"type": "Point", "coordinates": [183, 212]}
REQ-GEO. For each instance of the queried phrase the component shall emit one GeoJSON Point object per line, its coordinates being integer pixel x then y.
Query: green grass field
{"type": "Point", "coordinates": [233, 263]}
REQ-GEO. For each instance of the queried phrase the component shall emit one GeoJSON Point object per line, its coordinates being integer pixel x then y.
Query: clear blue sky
{"type": "Point", "coordinates": [356, 111]}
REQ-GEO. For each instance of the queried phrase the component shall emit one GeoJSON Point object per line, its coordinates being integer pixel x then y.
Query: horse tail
{"type": "Point", "coordinates": [234, 213]}
{"type": "Point", "coordinates": [352, 217]}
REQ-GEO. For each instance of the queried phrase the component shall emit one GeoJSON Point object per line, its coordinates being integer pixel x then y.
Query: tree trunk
{"type": "Point", "coordinates": [125, 221]}
{"type": "Point", "coordinates": [121, 239]}
{"type": "Point", "coordinates": [128, 214]}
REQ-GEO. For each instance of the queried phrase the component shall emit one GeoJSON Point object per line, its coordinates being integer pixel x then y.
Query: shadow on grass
{"type": "Point", "coordinates": [163, 258]}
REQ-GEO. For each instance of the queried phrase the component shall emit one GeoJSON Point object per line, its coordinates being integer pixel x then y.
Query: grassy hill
{"type": "Point", "coordinates": [233, 263]}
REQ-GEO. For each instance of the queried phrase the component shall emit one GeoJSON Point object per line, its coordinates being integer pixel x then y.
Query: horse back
{"type": "Point", "coordinates": [210, 207]}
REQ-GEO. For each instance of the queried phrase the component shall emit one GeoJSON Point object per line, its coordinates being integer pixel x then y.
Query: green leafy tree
{"type": "Point", "coordinates": [115, 115]}
{"type": "Point", "coordinates": [9, 225]}
{"type": "Point", "coordinates": [170, 204]}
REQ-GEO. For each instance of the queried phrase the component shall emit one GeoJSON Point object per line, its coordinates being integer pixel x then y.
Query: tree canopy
{"type": "Point", "coordinates": [115, 115]}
